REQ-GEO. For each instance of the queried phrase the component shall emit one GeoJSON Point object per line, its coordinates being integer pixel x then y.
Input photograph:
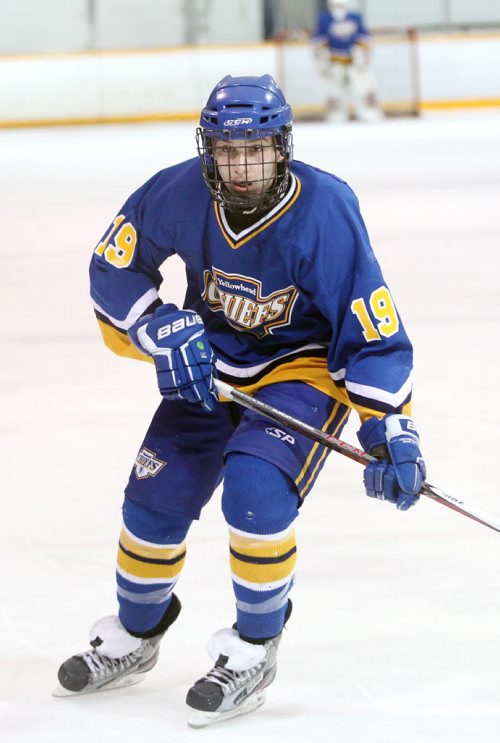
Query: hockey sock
{"type": "Point", "coordinates": [260, 505]}
{"type": "Point", "coordinates": [151, 555]}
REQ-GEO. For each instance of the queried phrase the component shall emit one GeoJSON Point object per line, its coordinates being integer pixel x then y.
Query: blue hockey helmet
{"type": "Point", "coordinates": [249, 109]}
{"type": "Point", "coordinates": [242, 103]}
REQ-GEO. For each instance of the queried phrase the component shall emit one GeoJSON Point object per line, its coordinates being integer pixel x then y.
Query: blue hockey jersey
{"type": "Point", "coordinates": [297, 295]}
{"type": "Point", "coordinates": [341, 35]}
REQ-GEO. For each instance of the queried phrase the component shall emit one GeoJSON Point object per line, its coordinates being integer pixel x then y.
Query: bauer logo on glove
{"type": "Point", "coordinates": [189, 321]}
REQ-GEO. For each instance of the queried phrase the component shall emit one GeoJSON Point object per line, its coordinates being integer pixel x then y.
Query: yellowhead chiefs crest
{"type": "Point", "coordinates": [147, 464]}
{"type": "Point", "coordinates": [241, 300]}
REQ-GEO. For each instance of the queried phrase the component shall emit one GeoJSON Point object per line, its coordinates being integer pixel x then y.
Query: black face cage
{"type": "Point", "coordinates": [257, 199]}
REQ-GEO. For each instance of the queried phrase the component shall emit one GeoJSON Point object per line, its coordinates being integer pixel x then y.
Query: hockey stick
{"type": "Point", "coordinates": [352, 452]}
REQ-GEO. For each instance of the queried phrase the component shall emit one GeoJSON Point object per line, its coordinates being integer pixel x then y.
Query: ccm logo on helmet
{"type": "Point", "coordinates": [177, 325]}
{"type": "Point", "coordinates": [237, 122]}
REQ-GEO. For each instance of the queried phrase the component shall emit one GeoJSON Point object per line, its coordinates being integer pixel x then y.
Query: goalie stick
{"type": "Point", "coordinates": [352, 452]}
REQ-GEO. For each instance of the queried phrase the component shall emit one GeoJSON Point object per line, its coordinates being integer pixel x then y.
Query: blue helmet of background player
{"type": "Point", "coordinates": [247, 114]}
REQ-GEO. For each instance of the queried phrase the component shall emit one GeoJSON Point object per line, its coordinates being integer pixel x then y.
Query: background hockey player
{"type": "Point", "coordinates": [284, 299]}
{"type": "Point", "coordinates": [342, 48]}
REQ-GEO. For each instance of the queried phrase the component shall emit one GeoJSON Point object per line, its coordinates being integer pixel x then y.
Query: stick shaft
{"type": "Point", "coordinates": [347, 450]}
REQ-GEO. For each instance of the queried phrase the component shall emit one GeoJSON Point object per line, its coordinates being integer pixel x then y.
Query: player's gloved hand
{"type": "Point", "coordinates": [182, 354]}
{"type": "Point", "coordinates": [399, 473]}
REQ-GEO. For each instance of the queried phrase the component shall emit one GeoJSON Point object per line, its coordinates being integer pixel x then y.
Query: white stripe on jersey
{"type": "Point", "coordinates": [394, 399]}
{"type": "Point", "coordinates": [135, 311]}
{"type": "Point", "coordinates": [251, 371]}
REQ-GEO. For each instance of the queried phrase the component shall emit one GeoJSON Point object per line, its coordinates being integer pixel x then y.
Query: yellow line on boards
{"type": "Point", "coordinates": [134, 51]}
{"type": "Point", "coordinates": [91, 120]}
{"type": "Point", "coordinates": [194, 115]}
{"type": "Point", "coordinates": [480, 103]}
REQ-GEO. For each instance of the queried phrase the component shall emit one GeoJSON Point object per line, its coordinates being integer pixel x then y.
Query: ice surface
{"type": "Point", "coordinates": [395, 636]}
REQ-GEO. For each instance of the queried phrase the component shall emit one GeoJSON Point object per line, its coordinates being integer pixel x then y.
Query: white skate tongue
{"type": "Point", "coordinates": [109, 637]}
{"type": "Point", "coordinates": [241, 655]}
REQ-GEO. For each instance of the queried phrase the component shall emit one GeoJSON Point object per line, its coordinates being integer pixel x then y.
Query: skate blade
{"type": "Point", "coordinates": [200, 719]}
{"type": "Point", "coordinates": [122, 683]}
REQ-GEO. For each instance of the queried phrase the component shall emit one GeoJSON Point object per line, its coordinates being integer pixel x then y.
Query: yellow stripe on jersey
{"type": "Point", "coordinates": [262, 562]}
{"type": "Point", "coordinates": [308, 369]}
{"type": "Point", "coordinates": [120, 343]}
{"type": "Point", "coordinates": [138, 560]}
{"type": "Point", "coordinates": [364, 412]}
{"type": "Point", "coordinates": [313, 371]}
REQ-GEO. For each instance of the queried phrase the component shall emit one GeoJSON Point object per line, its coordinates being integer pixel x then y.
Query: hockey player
{"type": "Point", "coordinates": [284, 299]}
{"type": "Point", "coordinates": [342, 48]}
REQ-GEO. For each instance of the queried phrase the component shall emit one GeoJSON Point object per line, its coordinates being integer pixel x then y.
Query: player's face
{"type": "Point", "coordinates": [338, 8]}
{"type": "Point", "coordinates": [247, 167]}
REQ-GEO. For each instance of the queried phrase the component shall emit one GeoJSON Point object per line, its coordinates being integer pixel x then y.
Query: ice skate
{"type": "Point", "coordinates": [337, 116]}
{"type": "Point", "coordinates": [338, 111]}
{"type": "Point", "coordinates": [369, 114]}
{"type": "Point", "coordinates": [105, 667]}
{"type": "Point", "coordinates": [236, 683]}
{"type": "Point", "coordinates": [117, 658]}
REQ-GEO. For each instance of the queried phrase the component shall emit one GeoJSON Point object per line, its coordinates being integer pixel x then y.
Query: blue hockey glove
{"type": "Point", "coordinates": [399, 473]}
{"type": "Point", "coordinates": [182, 354]}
